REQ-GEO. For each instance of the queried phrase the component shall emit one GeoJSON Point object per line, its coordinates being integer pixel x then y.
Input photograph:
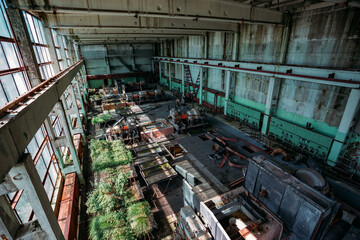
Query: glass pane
{"type": "Point", "coordinates": [54, 35]}
{"type": "Point", "coordinates": [20, 82]}
{"type": "Point", "coordinates": [3, 63]}
{"type": "Point", "coordinates": [46, 155]}
{"type": "Point", "coordinates": [53, 173]}
{"type": "Point", "coordinates": [36, 54]}
{"type": "Point", "coordinates": [48, 187]}
{"type": "Point", "coordinates": [47, 54]}
{"type": "Point", "coordinates": [4, 31]}
{"type": "Point", "coordinates": [10, 54]}
{"type": "Point", "coordinates": [41, 56]}
{"type": "Point", "coordinates": [39, 136]}
{"type": "Point", "coordinates": [9, 87]}
{"type": "Point", "coordinates": [33, 147]}
{"type": "Point", "coordinates": [28, 26]}
{"type": "Point", "coordinates": [42, 32]}
{"type": "Point", "coordinates": [37, 28]}
{"type": "Point", "coordinates": [23, 208]}
{"type": "Point", "coordinates": [41, 168]}
{"type": "Point", "coordinates": [3, 99]}
{"type": "Point", "coordinates": [32, 28]}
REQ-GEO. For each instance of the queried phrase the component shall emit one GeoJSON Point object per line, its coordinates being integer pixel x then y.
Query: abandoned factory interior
{"type": "Point", "coordinates": [180, 119]}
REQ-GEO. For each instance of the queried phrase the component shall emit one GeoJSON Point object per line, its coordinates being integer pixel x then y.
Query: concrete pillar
{"type": "Point", "coordinates": [271, 98]}
{"type": "Point", "coordinates": [52, 137]}
{"type": "Point", "coordinates": [227, 90]}
{"type": "Point", "coordinates": [76, 163]}
{"type": "Point", "coordinates": [75, 106]}
{"type": "Point", "coordinates": [351, 109]}
{"type": "Point", "coordinates": [18, 25]}
{"type": "Point", "coordinates": [160, 72]}
{"type": "Point", "coordinates": [235, 47]}
{"type": "Point", "coordinates": [9, 224]}
{"type": "Point", "coordinates": [80, 96]}
{"type": "Point", "coordinates": [183, 80]}
{"type": "Point", "coordinates": [201, 86]}
{"type": "Point", "coordinates": [170, 78]}
{"type": "Point", "coordinates": [152, 67]}
{"type": "Point", "coordinates": [52, 50]}
{"type": "Point", "coordinates": [25, 176]}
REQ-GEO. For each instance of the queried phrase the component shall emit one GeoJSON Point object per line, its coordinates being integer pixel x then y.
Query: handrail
{"type": "Point", "coordinates": [22, 98]}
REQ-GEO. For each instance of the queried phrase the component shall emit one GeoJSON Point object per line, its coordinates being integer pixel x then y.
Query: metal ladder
{"type": "Point", "coordinates": [189, 82]}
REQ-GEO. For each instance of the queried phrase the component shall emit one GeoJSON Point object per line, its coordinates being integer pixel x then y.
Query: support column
{"type": "Point", "coordinates": [201, 86]}
{"type": "Point", "coordinates": [17, 22]}
{"type": "Point", "coordinates": [159, 72]}
{"type": "Point", "coordinates": [80, 96]}
{"type": "Point", "coordinates": [227, 90]}
{"type": "Point", "coordinates": [183, 80]}
{"type": "Point", "coordinates": [57, 149]}
{"type": "Point", "coordinates": [235, 47]}
{"type": "Point", "coordinates": [170, 79]}
{"type": "Point", "coordinates": [76, 163]}
{"type": "Point", "coordinates": [24, 176]}
{"type": "Point", "coordinates": [272, 95]}
{"type": "Point", "coordinates": [352, 107]}
{"type": "Point", "coordinates": [9, 224]}
{"type": "Point", "coordinates": [52, 50]}
{"type": "Point", "coordinates": [75, 106]}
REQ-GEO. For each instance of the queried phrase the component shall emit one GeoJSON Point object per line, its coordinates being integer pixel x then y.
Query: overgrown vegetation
{"type": "Point", "coordinates": [116, 212]}
{"type": "Point", "coordinates": [108, 154]}
{"type": "Point", "coordinates": [101, 118]}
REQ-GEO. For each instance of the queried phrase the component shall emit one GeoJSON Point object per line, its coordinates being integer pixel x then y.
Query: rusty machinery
{"type": "Point", "coordinates": [126, 129]}
{"type": "Point", "coordinates": [195, 117]}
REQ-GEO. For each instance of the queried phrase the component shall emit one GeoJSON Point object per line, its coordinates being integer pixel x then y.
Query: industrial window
{"type": "Point", "coordinates": [57, 45]}
{"type": "Point", "coordinates": [13, 78]}
{"type": "Point", "coordinates": [41, 49]}
{"type": "Point", "coordinates": [46, 165]}
{"type": "Point", "coordinates": [67, 52]}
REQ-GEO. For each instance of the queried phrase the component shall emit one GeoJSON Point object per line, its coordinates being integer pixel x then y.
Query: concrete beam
{"type": "Point", "coordinates": [19, 29]}
{"type": "Point", "coordinates": [351, 109]}
{"type": "Point", "coordinates": [25, 177]}
{"type": "Point", "coordinates": [96, 32]}
{"type": "Point", "coordinates": [19, 127]}
{"type": "Point", "coordinates": [342, 78]}
{"type": "Point", "coordinates": [204, 10]}
{"type": "Point", "coordinates": [9, 224]}
{"type": "Point", "coordinates": [76, 21]}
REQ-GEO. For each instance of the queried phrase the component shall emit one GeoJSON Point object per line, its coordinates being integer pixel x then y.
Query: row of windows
{"type": "Point", "coordinates": [14, 82]}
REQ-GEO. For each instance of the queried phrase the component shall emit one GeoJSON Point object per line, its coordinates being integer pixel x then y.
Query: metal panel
{"type": "Point", "coordinates": [306, 219]}
{"type": "Point", "coordinates": [274, 191]}
{"type": "Point", "coordinates": [315, 143]}
{"type": "Point", "coordinates": [304, 211]}
{"type": "Point", "coordinates": [289, 206]}
{"type": "Point", "coordinates": [251, 177]}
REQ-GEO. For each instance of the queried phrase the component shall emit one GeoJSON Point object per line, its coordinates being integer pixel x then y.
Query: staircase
{"type": "Point", "coordinates": [128, 66]}
{"type": "Point", "coordinates": [188, 82]}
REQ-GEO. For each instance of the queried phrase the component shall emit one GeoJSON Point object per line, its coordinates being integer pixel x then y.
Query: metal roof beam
{"type": "Point", "coordinates": [208, 10]}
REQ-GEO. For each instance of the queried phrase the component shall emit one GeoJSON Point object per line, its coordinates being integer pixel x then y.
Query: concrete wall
{"type": "Point", "coordinates": [327, 37]}
{"type": "Point", "coordinates": [109, 59]}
